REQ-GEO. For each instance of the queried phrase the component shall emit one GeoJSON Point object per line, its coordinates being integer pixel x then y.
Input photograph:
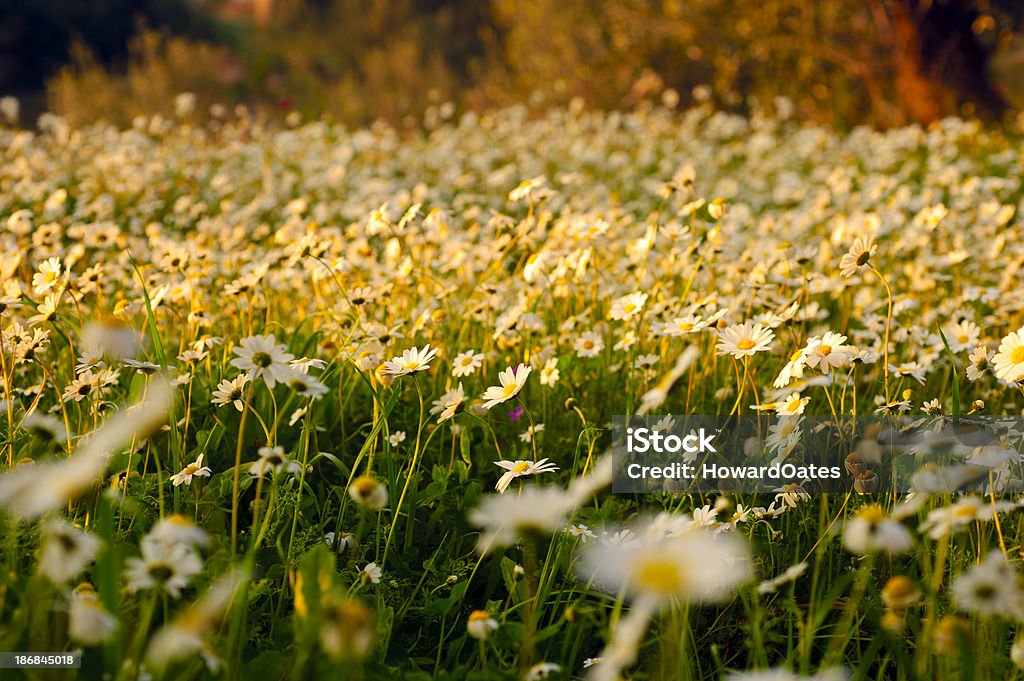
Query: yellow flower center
{"type": "Point", "coordinates": [962, 338]}
{"type": "Point", "coordinates": [825, 350]}
{"type": "Point", "coordinates": [479, 615]}
{"type": "Point", "coordinates": [1017, 356]}
{"type": "Point", "coordinates": [521, 467]}
{"type": "Point", "coordinates": [745, 344]}
{"type": "Point", "coordinates": [795, 356]}
{"type": "Point", "coordinates": [873, 514]}
{"type": "Point", "coordinates": [685, 326]}
{"type": "Point", "coordinates": [660, 575]}
{"type": "Point", "coordinates": [365, 485]}
{"type": "Point", "coordinates": [509, 390]}
{"type": "Point", "coordinates": [965, 512]}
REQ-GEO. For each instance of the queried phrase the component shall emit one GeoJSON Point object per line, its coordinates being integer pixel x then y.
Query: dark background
{"type": "Point", "coordinates": [841, 62]}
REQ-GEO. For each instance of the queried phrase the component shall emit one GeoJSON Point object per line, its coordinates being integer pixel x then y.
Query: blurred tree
{"type": "Point", "coordinates": [36, 36]}
{"type": "Point", "coordinates": [942, 50]}
{"type": "Point", "coordinates": [844, 62]}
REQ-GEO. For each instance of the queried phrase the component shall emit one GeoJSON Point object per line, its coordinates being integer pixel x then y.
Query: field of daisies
{"type": "Point", "coordinates": [308, 402]}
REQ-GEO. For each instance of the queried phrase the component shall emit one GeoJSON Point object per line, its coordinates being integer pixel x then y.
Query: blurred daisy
{"type": "Point", "coordinates": [527, 435]}
{"type": "Point", "coordinates": [962, 335]}
{"type": "Point", "coordinates": [549, 374]}
{"type": "Point", "coordinates": [306, 386]}
{"type": "Point", "coordinates": [871, 531]}
{"type": "Point", "coordinates": [274, 461]}
{"type": "Point", "coordinates": [505, 519]}
{"type": "Point", "coordinates": [990, 588]}
{"type": "Point", "coordinates": [466, 363]}
{"type": "Point", "coordinates": [177, 529]}
{"type": "Point", "coordinates": [681, 326]}
{"type": "Point", "coordinates": [366, 491]}
{"type": "Point", "coordinates": [370, 574]}
{"type": "Point", "coordinates": [626, 307]}
{"type": "Point", "coordinates": [165, 566]}
{"type": "Point", "coordinates": [66, 550]}
{"type": "Point", "coordinates": [481, 625]}
{"type": "Point", "coordinates": [48, 277]}
{"type": "Point", "coordinates": [89, 623]}
{"type": "Point", "coordinates": [588, 344]}
{"type": "Point", "coordinates": [542, 670]}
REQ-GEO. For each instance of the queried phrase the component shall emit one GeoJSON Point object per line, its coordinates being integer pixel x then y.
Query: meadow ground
{"type": "Point", "coordinates": [324, 403]}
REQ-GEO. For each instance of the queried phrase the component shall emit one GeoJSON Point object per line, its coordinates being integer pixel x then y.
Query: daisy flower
{"type": "Point", "coordinates": [66, 550]}
{"type": "Point", "coordinates": [871, 531]}
{"type": "Point", "coordinates": [581, 532]}
{"type": "Point", "coordinates": [263, 357]}
{"type": "Point", "coordinates": [744, 340]}
{"type": "Point", "coordinates": [990, 588]}
{"type": "Point", "coordinates": [273, 460]}
{"type": "Point", "coordinates": [446, 406]}
{"type": "Point", "coordinates": [549, 374]}
{"type": "Point", "coordinates": [793, 405]}
{"type": "Point", "coordinates": [516, 469]}
{"type": "Point", "coordinates": [511, 382]}
{"type": "Point", "coordinates": [527, 435]}
{"type": "Point", "coordinates": [680, 326]}
{"type": "Point", "coordinates": [481, 625]}
{"type": "Point", "coordinates": [411, 361]}
{"type": "Point", "coordinates": [165, 566]}
{"type": "Point", "coordinates": [626, 307]}
{"type": "Point", "coordinates": [858, 257]}
{"type": "Point", "coordinates": [50, 274]}
{"type": "Point", "coordinates": [962, 335]}
{"type": "Point", "coordinates": [305, 385]}
{"type": "Point", "coordinates": [89, 623]}
{"type": "Point", "coordinates": [828, 352]}
{"type": "Point", "coordinates": [505, 519]}
{"type": "Point", "coordinates": [466, 363]}
{"type": "Point", "coordinates": [184, 477]}
{"type": "Point", "coordinates": [370, 573]}
{"type": "Point", "coordinates": [1008, 363]}
{"type": "Point", "coordinates": [366, 491]}
{"type": "Point", "coordinates": [589, 344]}
{"type": "Point", "coordinates": [231, 391]}
{"type": "Point", "coordinates": [979, 363]}
{"type": "Point", "coordinates": [794, 369]}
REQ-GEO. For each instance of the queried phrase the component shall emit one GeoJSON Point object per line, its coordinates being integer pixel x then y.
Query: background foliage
{"type": "Point", "coordinates": [884, 62]}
